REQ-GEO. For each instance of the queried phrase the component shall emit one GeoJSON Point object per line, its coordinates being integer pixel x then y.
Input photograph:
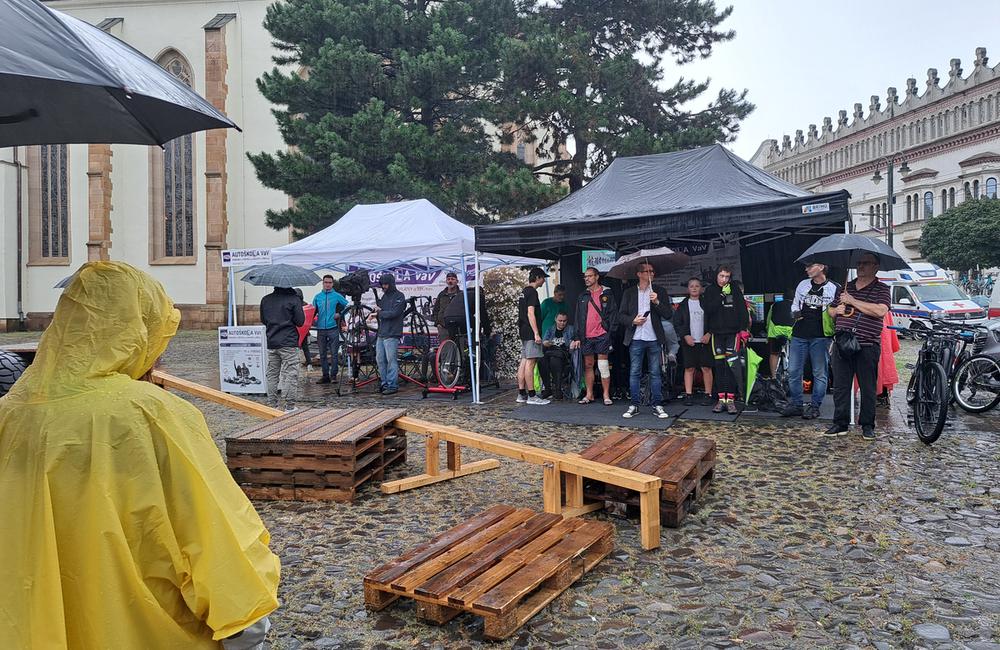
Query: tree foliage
{"type": "Point", "coordinates": [588, 72]}
{"type": "Point", "coordinates": [384, 99]}
{"type": "Point", "coordinates": [965, 236]}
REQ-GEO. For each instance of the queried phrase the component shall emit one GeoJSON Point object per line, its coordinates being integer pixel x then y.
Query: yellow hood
{"type": "Point", "coordinates": [120, 525]}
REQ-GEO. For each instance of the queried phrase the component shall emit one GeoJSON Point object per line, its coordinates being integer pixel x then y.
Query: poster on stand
{"type": "Point", "coordinates": [243, 359]}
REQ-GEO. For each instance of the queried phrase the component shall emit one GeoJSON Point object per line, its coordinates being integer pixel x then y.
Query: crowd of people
{"type": "Point", "coordinates": [820, 323]}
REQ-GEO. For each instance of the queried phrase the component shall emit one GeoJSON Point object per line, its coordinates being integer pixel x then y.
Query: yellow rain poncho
{"type": "Point", "coordinates": [120, 526]}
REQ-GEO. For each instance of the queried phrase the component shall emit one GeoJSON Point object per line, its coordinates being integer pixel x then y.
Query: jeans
{"type": "Point", "coordinates": [864, 366]}
{"type": "Point", "coordinates": [651, 351]}
{"type": "Point", "coordinates": [816, 349]}
{"type": "Point", "coordinates": [283, 375]}
{"type": "Point", "coordinates": [329, 343]}
{"type": "Point", "coordinates": [386, 349]}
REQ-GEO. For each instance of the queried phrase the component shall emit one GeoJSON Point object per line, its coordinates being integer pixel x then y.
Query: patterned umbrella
{"type": "Point", "coordinates": [663, 259]}
{"type": "Point", "coordinates": [281, 275]}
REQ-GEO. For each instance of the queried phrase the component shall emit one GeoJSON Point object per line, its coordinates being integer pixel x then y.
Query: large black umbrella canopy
{"type": "Point", "coordinates": [65, 81]}
{"type": "Point", "coordinates": [657, 200]}
{"type": "Point", "coordinates": [844, 251]}
{"type": "Point", "coordinates": [663, 260]}
{"type": "Point", "coordinates": [281, 275]}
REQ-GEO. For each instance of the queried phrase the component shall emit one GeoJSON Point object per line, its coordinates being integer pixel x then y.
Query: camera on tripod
{"type": "Point", "coordinates": [355, 284]}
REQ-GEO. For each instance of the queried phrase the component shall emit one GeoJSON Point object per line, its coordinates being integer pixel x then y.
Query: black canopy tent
{"type": "Point", "coordinates": [687, 196]}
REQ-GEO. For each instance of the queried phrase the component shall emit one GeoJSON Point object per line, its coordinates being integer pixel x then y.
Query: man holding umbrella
{"type": "Point", "coordinates": [645, 313]}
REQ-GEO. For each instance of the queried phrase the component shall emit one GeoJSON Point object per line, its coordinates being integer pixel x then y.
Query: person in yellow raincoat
{"type": "Point", "coordinates": [120, 526]}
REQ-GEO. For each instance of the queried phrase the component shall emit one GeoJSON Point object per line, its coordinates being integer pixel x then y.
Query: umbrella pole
{"type": "Point", "coordinates": [479, 344]}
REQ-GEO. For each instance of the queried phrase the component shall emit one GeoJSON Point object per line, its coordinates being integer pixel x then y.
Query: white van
{"type": "Point", "coordinates": [918, 272]}
{"type": "Point", "coordinates": [995, 301]}
{"type": "Point", "coordinates": [936, 299]}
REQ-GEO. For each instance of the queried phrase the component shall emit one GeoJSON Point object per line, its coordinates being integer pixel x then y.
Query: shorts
{"type": "Point", "coordinates": [698, 356]}
{"type": "Point", "coordinates": [723, 345]}
{"type": "Point", "coordinates": [531, 350]}
{"type": "Point", "coordinates": [598, 345]}
{"type": "Point", "coordinates": [775, 346]}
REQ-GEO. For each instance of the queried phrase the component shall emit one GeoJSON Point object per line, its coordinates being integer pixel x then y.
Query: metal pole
{"type": "Point", "coordinates": [479, 343]}
{"type": "Point", "coordinates": [889, 211]}
{"type": "Point", "coordinates": [468, 328]}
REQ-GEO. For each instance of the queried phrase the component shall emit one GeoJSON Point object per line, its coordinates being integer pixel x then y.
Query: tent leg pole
{"type": "Point", "coordinates": [479, 345]}
{"type": "Point", "coordinates": [468, 327]}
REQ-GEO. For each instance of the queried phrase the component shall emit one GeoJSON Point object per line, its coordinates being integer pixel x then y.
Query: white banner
{"type": "Point", "coordinates": [246, 257]}
{"type": "Point", "coordinates": [243, 359]}
{"type": "Point", "coordinates": [600, 260]}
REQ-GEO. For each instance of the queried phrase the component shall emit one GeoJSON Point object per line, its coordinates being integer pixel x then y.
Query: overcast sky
{"type": "Point", "coordinates": [803, 60]}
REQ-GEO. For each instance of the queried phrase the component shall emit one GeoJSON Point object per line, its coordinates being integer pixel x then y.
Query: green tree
{"type": "Point", "coordinates": [965, 236]}
{"type": "Point", "coordinates": [587, 73]}
{"type": "Point", "coordinates": [382, 99]}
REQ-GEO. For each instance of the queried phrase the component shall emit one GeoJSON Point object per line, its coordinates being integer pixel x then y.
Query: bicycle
{"type": "Point", "coordinates": [357, 349]}
{"type": "Point", "coordinates": [415, 349]}
{"type": "Point", "coordinates": [451, 366]}
{"type": "Point", "coordinates": [975, 383]}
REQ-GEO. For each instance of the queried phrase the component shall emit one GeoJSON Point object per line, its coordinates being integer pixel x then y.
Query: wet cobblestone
{"type": "Point", "coordinates": [800, 542]}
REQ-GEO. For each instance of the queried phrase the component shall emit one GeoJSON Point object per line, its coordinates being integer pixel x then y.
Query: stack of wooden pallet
{"type": "Point", "coordinates": [686, 466]}
{"type": "Point", "coordinates": [504, 564]}
{"type": "Point", "coordinates": [316, 454]}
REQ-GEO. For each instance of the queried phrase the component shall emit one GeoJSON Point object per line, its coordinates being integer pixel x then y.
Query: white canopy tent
{"type": "Point", "coordinates": [386, 235]}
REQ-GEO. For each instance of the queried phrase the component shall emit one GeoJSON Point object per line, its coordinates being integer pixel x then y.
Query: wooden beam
{"type": "Point", "coordinates": [433, 455]}
{"type": "Point", "coordinates": [551, 488]}
{"type": "Point", "coordinates": [167, 380]}
{"type": "Point", "coordinates": [649, 520]}
{"type": "Point", "coordinates": [574, 490]}
{"type": "Point", "coordinates": [403, 484]}
{"type": "Point", "coordinates": [454, 456]}
{"type": "Point", "coordinates": [568, 462]}
{"type": "Point", "coordinates": [582, 510]}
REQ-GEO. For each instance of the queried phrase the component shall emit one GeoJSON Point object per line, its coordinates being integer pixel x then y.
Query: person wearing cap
{"type": "Point", "coordinates": [860, 307]}
{"type": "Point", "coordinates": [441, 303]}
{"type": "Point", "coordinates": [529, 324]}
{"type": "Point", "coordinates": [810, 339]}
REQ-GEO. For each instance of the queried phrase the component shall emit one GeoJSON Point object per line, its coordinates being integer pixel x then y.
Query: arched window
{"type": "Point", "coordinates": [944, 200]}
{"type": "Point", "coordinates": [968, 191]}
{"type": "Point", "coordinates": [975, 189]}
{"type": "Point", "coordinates": [48, 204]}
{"type": "Point", "coordinates": [171, 174]}
{"type": "Point", "coordinates": [909, 207]}
{"type": "Point", "coordinates": [951, 197]}
{"type": "Point", "coordinates": [871, 216]}
{"type": "Point", "coordinates": [991, 188]}
{"type": "Point", "coordinates": [885, 215]}
{"type": "Point", "coordinates": [928, 205]}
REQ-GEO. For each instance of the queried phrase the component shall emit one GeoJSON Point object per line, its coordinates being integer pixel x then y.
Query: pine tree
{"type": "Point", "coordinates": [387, 99]}
{"type": "Point", "coordinates": [587, 72]}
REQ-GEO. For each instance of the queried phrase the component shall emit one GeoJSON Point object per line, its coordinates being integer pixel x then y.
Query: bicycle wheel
{"type": "Point", "coordinates": [448, 363]}
{"type": "Point", "coordinates": [911, 388]}
{"type": "Point", "coordinates": [930, 409]}
{"type": "Point", "coordinates": [976, 386]}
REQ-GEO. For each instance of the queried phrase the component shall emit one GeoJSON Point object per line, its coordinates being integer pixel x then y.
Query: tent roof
{"type": "Point", "coordinates": [383, 235]}
{"type": "Point", "coordinates": [645, 201]}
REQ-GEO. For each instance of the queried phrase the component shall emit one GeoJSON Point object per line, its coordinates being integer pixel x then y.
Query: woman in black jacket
{"type": "Point", "coordinates": [726, 316]}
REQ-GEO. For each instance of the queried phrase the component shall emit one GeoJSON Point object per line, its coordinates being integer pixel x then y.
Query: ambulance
{"type": "Point", "coordinates": [926, 291]}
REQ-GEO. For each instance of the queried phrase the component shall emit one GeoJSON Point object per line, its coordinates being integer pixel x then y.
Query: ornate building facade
{"type": "Point", "coordinates": [948, 134]}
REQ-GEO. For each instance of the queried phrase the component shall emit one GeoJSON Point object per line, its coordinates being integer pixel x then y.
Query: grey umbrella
{"type": "Point", "coordinates": [65, 81]}
{"type": "Point", "coordinates": [844, 251]}
{"type": "Point", "coordinates": [281, 275]}
{"type": "Point", "coordinates": [663, 259]}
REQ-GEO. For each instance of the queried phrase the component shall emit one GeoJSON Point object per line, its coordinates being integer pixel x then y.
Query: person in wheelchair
{"type": "Point", "coordinates": [557, 358]}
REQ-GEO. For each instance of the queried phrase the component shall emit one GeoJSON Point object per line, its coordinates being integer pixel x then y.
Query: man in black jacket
{"type": "Point", "coordinates": [596, 314]}
{"type": "Point", "coordinates": [389, 308]}
{"type": "Point", "coordinates": [282, 315]}
{"type": "Point", "coordinates": [726, 316]}
{"type": "Point", "coordinates": [645, 314]}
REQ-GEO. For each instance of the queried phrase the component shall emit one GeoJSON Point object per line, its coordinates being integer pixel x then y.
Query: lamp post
{"type": "Point", "coordinates": [903, 169]}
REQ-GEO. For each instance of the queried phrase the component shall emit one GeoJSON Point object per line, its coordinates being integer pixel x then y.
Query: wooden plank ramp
{"type": "Point", "coordinates": [504, 564]}
{"type": "Point", "coordinates": [685, 465]}
{"type": "Point", "coordinates": [316, 454]}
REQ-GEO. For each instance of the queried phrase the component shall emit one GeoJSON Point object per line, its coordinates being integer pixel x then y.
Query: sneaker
{"type": "Point", "coordinates": [291, 408]}
{"type": "Point", "coordinates": [546, 394]}
{"type": "Point", "coordinates": [810, 412]}
{"type": "Point", "coordinates": [660, 413]}
{"type": "Point", "coordinates": [323, 380]}
{"type": "Point", "coordinates": [719, 406]}
{"type": "Point", "coordinates": [537, 400]}
{"type": "Point", "coordinates": [707, 400]}
{"type": "Point", "coordinates": [731, 408]}
{"type": "Point", "coordinates": [632, 411]}
{"type": "Point", "coordinates": [835, 430]}
{"type": "Point", "coordinates": [688, 400]}
{"type": "Point", "coordinates": [521, 399]}
{"type": "Point", "coordinates": [390, 391]}
{"type": "Point", "coordinates": [792, 410]}
{"type": "Point", "coordinates": [868, 432]}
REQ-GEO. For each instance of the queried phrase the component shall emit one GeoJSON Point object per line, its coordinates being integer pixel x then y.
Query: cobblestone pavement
{"type": "Point", "coordinates": [800, 542]}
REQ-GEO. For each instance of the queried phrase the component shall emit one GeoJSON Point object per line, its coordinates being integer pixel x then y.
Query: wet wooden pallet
{"type": "Point", "coordinates": [316, 454]}
{"type": "Point", "coordinates": [686, 466]}
{"type": "Point", "coordinates": [504, 564]}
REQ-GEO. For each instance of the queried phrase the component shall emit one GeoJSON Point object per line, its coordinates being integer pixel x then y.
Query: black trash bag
{"type": "Point", "coordinates": [768, 395]}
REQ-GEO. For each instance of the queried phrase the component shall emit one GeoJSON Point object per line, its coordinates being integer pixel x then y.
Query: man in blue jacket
{"type": "Point", "coordinates": [389, 308]}
{"type": "Point", "coordinates": [329, 304]}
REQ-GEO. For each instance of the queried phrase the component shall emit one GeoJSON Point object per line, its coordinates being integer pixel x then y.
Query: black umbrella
{"type": "Point", "coordinates": [65, 81]}
{"type": "Point", "coordinates": [281, 275]}
{"type": "Point", "coordinates": [663, 260]}
{"type": "Point", "coordinates": [844, 251]}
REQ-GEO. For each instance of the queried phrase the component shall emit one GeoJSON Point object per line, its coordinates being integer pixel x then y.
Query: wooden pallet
{"type": "Point", "coordinates": [686, 466]}
{"type": "Point", "coordinates": [504, 564]}
{"type": "Point", "coordinates": [316, 454]}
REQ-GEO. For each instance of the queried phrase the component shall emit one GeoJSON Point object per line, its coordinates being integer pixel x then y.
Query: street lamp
{"type": "Point", "coordinates": [877, 177]}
